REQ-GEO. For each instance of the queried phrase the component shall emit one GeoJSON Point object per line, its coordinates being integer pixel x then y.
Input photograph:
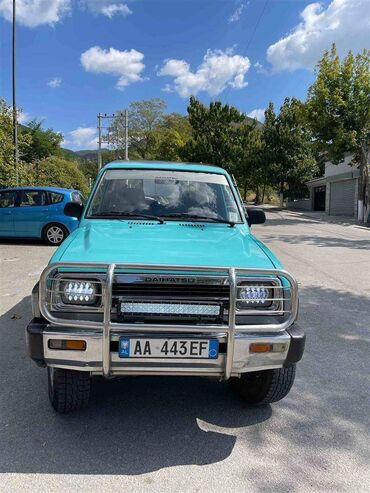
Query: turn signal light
{"type": "Point", "coordinates": [263, 347]}
{"type": "Point", "coordinates": [260, 347]}
{"type": "Point", "coordinates": [64, 344]}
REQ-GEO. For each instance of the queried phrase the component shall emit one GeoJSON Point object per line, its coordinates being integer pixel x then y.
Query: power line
{"type": "Point", "coordinates": [257, 24]}
{"type": "Point", "coordinates": [262, 13]}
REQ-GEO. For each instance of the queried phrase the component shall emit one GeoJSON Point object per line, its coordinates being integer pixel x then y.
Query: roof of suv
{"type": "Point", "coordinates": [166, 165]}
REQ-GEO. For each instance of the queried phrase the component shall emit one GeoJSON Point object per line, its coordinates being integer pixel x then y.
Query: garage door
{"type": "Point", "coordinates": [342, 198]}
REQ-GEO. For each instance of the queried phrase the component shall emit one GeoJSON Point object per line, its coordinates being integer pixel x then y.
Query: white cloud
{"type": "Point", "coordinates": [23, 117]}
{"type": "Point", "coordinates": [109, 8]}
{"type": "Point", "coordinates": [167, 88]}
{"type": "Point", "coordinates": [258, 114]}
{"type": "Point", "coordinates": [235, 16]}
{"type": "Point", "coordinates": [32, 13]}
{"type": "Point", "coordinates": [55, 83]}
{"type": "Point", "coordinates": [82, 138]}
{"type": "Point", "coordinates": [127, 64]}
{"type": "Point", "coordinates": [345, 22]}
{"type": "Point", "coordinates": [116, 8]}
{"type": "Point", "coordinates": [218, 70]}
{"type": "Point", "coordinates": [259, 68]}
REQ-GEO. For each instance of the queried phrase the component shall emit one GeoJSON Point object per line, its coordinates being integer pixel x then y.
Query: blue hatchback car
{"type": "Point", "coordinates": [37, 212]}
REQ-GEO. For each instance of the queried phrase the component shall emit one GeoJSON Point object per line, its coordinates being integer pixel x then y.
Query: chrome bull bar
{"type": "Point", "coordinates": [106, 326]}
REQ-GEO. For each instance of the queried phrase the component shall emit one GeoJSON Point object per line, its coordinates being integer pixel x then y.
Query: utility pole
{"type": "Point", "coordinates": [99, 142]}
{"type": "Point", "coordinates": [126, 135]}
{"type": "Point", "coordinates": [15, 122]}
{"type": "Point", "coordinates": [104, 132]}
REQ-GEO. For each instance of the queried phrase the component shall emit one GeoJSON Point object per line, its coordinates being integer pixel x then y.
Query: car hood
{"type": "Point", "coordinates": [170, 243]}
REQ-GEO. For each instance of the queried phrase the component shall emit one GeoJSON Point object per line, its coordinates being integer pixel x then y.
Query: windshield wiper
{"type": "Point", "coordinates": [195, 217]}
{"type": "Point", "coordinates": [121, 214]}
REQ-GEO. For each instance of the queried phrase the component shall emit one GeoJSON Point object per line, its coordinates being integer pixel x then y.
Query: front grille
{"type": "Point", "coordinates": [193, 292]}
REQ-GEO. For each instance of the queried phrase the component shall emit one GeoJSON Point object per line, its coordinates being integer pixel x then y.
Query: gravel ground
{"type": "Point", "coordinates": [185, 434]}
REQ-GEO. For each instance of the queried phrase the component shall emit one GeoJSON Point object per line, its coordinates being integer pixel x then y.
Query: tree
{"type": "Point", "coordinates": [338, 111]}
{"type": "Point", "coordinates": [144, 118]}
{"type": "Point", "coordinates": [56, 171]}
{"type": "Point", "coordinates": [288, 147]}
{"type": "Point", "coordinates": [215, 134]}
{"type": "Point", "coordinates": [43, 143]}
{"type": "Point", "coordinates": [8, 173]}
{"type": "Point", "coordinates": [171, 136]}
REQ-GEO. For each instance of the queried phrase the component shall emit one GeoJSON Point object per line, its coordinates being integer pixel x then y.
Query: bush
{"type": "Point", "coordinates": [59, 172]}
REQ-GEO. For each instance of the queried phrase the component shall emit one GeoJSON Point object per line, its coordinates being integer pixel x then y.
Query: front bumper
{"type": "Point", "coordinates": [39, 332]}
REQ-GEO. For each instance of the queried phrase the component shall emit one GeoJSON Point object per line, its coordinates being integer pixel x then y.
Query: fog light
{"type": "Point", "coordinates": [67, 344]}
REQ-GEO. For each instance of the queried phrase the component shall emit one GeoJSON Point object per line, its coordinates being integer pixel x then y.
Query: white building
{"type": "Point", "coordinates": [336, 192]}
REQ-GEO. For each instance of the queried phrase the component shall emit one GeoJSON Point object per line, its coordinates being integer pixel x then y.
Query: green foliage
{"type": "Point", "coordinates": [43, 143]}
{"type": "Point", "coordinates": [7, 168]}
{"type": "Point", "coordinates": [338, 105]}
{"type": "Point", "coordinates": [338, 111]}
{"type": "Point", "coordinates": [288, 147]}
{"type": "Point", "coordinates": [215, 133]}
{"type": "Point", "coordinates": [145, 118]}
{"type": "Point", "coordinates": [170, 137]}
{"type": "Point", "coordinates": [56, 171]}
{"type": "Point", "coordinates": [89, 169]}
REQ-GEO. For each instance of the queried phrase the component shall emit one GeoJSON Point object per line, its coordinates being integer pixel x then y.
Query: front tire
{"type": "Point", "coordinates": [264, 387]}
{"type": "Point", "coordinates": [69, 390]}
{"type": "Point", "coordinates": [54, 234]}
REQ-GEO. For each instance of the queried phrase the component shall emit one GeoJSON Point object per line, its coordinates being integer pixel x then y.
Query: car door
{"type": "Point", "coordinates": [30, 213]}
{"type": "Point", "coordinates": [7, 207]}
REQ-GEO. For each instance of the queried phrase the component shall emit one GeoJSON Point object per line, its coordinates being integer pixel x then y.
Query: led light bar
{"type": "Point", "coordinates": [169, 308]}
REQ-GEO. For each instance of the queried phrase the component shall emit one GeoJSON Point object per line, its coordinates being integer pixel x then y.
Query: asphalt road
{"type": "Point", "coordinates": [185, 434]}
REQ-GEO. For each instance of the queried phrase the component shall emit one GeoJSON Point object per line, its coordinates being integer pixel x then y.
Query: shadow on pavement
{"type": "Point", "coordinates": [142, 424]}
{"type": "Point", "coordinates": [133, 425]}
{"type": "Point", "coordinates": [23, 241]}
{"type": "Point", "coordinates": [290, 217]}
{"type": "Point", "coordinates": [322, 241]}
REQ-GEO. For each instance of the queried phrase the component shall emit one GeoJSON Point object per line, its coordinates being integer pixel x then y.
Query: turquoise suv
{"type": "Point", "coordinates": [164, 277]}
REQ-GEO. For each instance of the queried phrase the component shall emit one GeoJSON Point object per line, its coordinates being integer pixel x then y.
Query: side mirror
{"type": "Point", "coordinates": [73, 209]}
{"type": "Point", "coordinates": [255, 216]}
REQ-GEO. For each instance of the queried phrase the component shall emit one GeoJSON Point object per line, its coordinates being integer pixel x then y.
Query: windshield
{"type": "Point", "coordinates": [176, 195]}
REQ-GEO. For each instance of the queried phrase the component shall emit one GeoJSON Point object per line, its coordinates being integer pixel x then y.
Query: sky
{"type": "Point", "coordinates": [76, 58]}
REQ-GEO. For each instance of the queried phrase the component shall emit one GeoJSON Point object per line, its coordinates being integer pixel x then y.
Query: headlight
{"type": "Point", "coordinates": [256, 295]}
{"type": "Point", "coordinates": [79, 292]}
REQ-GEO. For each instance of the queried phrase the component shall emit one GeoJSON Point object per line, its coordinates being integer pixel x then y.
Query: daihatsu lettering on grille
{"type": "Point", "coordinates": [164, 277]}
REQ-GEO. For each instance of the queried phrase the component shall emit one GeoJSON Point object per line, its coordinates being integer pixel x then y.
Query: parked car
{"type": "Point", "coordinates": [164, 277]}
{"type": "Point", "coordinates": [37, 212]}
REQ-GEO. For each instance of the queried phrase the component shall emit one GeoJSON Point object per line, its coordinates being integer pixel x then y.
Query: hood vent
{"type": "Point", "coordinates": [192, 225]}
{"type": "Point", "coordinates": [141, 223]}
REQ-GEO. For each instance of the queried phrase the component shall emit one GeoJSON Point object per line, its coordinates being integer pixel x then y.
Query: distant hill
{"type": "Point", "coordinates": [251, 120]}
{"type": "Point", "coordinates": [82, 156]}
{"type": "Point", "coordinates": [68, 154]}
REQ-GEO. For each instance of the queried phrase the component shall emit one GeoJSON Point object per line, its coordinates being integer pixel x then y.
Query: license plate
{"type": "Point", "coordinates": [130, 347]}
